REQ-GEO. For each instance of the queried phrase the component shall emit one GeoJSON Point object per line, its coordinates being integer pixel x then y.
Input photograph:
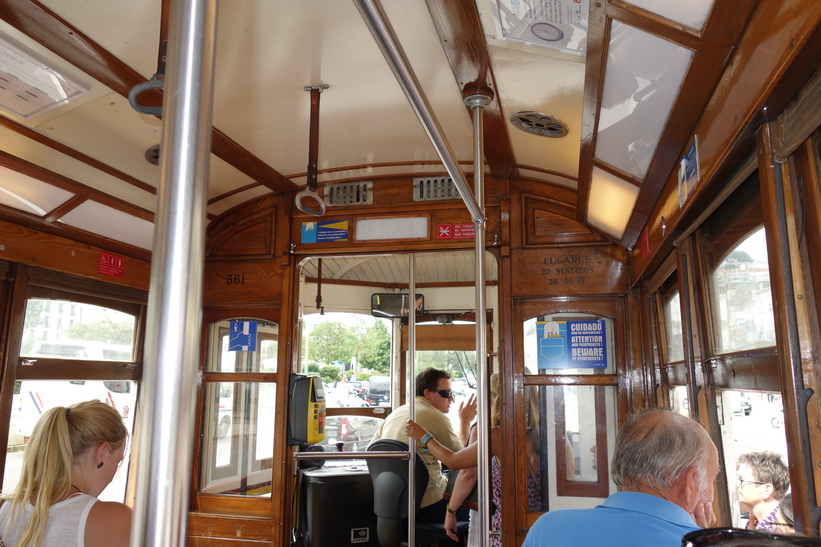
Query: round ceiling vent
{"type": "Point", "coordinates": [539, 124]}
{"type": "Point", "coordinates": [152, 155]}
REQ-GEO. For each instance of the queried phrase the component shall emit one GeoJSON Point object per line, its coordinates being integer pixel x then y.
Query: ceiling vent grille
{"type": "Point", "coordinates": [338, 194]}
{"type": "Point", "coordinates": [434, 189]}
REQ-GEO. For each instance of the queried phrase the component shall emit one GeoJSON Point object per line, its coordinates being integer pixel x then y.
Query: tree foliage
{"type": "Point", "coordinates": [375, 348]}
{"type": "Point", "coordinates": [329, 342]}
{"type": "Point", "coordinates": [104, 330]}
{"type": "Point", "coordinates": [332, 342]}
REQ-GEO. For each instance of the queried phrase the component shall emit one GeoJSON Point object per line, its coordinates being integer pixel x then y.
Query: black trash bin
{"type": "Point", "coordinates": [337, 507]}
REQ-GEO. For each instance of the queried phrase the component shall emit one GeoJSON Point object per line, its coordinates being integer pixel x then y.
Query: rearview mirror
{"type": "Point", "coordinates": [392, 305]}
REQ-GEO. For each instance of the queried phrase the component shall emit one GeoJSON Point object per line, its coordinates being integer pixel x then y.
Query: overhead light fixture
{"type": "Point", "coordinates": [611, 202]}
{"type": "Point", "coordinates": [29, 86]}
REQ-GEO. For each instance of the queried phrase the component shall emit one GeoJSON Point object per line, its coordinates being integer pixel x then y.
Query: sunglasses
{"type": "Point", "coordinates": [446, 393]}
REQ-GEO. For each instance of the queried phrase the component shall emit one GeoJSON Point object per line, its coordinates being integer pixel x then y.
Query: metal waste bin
{"type": "Point", "coordinates": [337, 507]}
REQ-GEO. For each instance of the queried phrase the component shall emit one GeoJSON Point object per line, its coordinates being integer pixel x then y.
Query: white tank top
{"type": "Point", "coordinates": [65, 527]}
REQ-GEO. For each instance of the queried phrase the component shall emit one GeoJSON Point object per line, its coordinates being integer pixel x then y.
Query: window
{"type": "Point", "coordinates": [240, 397]}
{"type": "Point", "coordinates": [74, 348]}
{"type": "Point", "coordinates": [742, 298]}
{"type": "Point", "coordinates": [352, 354]}
{"type": "Point", "coordinates": [751, 422]}
{"type": "Point", "coordinates": [672, 327]}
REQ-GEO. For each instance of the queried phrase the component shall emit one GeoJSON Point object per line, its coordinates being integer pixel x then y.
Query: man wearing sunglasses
{"type": "Point", "coordinates": [434, 396]}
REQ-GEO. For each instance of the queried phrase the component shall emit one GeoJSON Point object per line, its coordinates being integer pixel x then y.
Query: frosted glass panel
{"type": "Point", "coordinates": [692, 13]}
{"type": "Point", "coordinates": [642, 79]}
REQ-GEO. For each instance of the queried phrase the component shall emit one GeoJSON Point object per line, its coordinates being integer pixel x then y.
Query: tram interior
{"type": "Point", "coordinates": [645, 171]}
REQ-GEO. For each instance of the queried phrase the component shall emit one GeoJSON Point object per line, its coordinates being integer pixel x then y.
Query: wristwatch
{"type": "Point", "coordinates": [451, 511]}
{"type": "Point", "coordinates": [425, 438]}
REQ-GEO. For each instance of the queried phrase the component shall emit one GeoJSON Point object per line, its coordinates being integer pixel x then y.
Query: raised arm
{"type": "Point", "coordinates": [467, 412]}
{"type": "Point", "coordinates": [467, 457]}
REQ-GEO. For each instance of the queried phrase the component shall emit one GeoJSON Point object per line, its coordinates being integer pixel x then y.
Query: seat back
{"type": "Point", "coordinates": [390, 490]}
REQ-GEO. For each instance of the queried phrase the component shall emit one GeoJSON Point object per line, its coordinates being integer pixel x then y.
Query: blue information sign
{"type": "Point", "coordinates": [243, 336]}
{"type": "Point", "coordinates": [324, 230]}
{"type": "Point", "coordinates": [571, 344]}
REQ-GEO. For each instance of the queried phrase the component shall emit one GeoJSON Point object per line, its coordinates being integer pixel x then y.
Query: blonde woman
{"type": "Point", "coordinates": [73, 454]}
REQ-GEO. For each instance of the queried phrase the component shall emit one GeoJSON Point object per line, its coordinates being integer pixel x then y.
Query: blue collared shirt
{"type": "Point", "coordinates": [624, 519]}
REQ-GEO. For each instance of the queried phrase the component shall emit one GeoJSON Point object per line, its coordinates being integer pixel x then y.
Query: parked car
{"type": "Point", "coordinates": [355, 387]}
{"type": "Point", "coordinates": [745, 406]}
{"type": "Point", "coordinates": [379, 391]}
{"type": "Point", "coordinates": [343, 400]}
{"type": "Point", "coordinates": [460, 386]}
{"type": "Point", "coordinates": [354, 432]}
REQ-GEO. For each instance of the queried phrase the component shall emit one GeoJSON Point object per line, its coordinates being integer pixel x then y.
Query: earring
{"type": "Point", "coordinates": [100, 465]}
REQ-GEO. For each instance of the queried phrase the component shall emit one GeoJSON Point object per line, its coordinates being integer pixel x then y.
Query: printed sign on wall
{"type": "Point", "coordinates": [110, 264]}
{"type": "Point", "coordinates": [571, 344]}
{"type": "Point", "coordinates": [324, 231]}
{"type": "Point", "coordinates": [242, 336]}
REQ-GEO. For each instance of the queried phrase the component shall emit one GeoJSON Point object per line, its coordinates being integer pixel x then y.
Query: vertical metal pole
{"type": "Point", "coordinates": [411, 396]}
{"type": "Point", "coordinates": [477, 102]}
{"type": "Point", "coordinates": [174, 305]}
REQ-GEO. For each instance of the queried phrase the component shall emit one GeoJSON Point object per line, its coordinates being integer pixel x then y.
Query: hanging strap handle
{"type": "Point", "coordinates": [157, 81]}
{"type": "Point", "coordinates": [313, 153]}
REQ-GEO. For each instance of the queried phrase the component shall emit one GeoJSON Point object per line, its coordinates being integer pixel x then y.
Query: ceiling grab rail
{"type": "Point", "coordinates": [377, 22]}
{"type": "Point", "coordinates": [313, 153]}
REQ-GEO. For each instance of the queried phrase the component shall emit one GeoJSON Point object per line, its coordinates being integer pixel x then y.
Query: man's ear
{"type": "Point", "coordinates": [691, 488]}
{"type": "Point", "coordinates": [769, 491]}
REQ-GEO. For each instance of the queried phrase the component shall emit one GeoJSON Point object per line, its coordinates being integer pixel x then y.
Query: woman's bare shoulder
{"type": "Point", "coordinates": [108, 524]}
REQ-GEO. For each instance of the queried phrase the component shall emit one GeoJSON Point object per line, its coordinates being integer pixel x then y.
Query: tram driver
{"type": "Point", "coordinates": [434, 396]}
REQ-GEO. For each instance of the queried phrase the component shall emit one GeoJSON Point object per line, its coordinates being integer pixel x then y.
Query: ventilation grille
{"type": "Point", "coordinates": [540, 124]}
{"type": "Point", "coordinates": [348, 193]}
{"type": "Point", "coordinates": [434, 189]}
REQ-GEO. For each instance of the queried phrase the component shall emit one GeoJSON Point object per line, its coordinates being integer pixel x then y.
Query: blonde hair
{"type": "Point", "coordinates": [60, 436]}
{"type": "Point", "coordinates": [495, 401]}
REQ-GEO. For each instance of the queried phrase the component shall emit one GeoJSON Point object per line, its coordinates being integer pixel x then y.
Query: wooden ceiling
{"type": "Point", "coordinates": [267, 52]}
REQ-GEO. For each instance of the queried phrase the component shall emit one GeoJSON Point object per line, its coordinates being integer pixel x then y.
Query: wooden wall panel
{"type": "Point", "coordinates": [239, 283]}
{"type": "Point", "coordinates": [229, 527]}
{"type": "Point", "coordinates": [35, 248]}
{"type": "Point", "coordinates": [569, 271]}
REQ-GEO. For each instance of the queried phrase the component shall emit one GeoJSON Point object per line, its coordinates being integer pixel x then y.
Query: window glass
{"type": "Point", "coordinates": [239, 409]}
{"type": "Point", "coordinates": [239, 438]}
{"type": "Point", "coordinates": [565, 343]}
{"type": "Point", "coordinates": [750, 422]}
{"type": "Point", "coordinates": [32, 398]}
{"type": "Point", "coordinates": [680, 400]}
{"type": "Point", "coordinates": [743, 303]}
{"type": "Point", "coordinates": [572, 426]}
{"type": "Point", "coordinates": [236, 356]}
{"type": "Point", "coordinates": [73, 330]}
{"type": "Point", "coordinates": [352, 354]}
{"type": "Point", "coordinates": [672, 328]}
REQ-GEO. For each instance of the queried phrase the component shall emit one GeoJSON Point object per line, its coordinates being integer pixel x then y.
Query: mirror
{"type": "Point", "coordinates": [392, 305]}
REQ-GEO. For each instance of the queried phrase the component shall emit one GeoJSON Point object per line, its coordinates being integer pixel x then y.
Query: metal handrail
{"type": "Point", "coordinates": [375, 455]}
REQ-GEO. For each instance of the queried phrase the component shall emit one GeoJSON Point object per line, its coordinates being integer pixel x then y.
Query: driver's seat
{"type": "Point", "coordinates": [390, 498]}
